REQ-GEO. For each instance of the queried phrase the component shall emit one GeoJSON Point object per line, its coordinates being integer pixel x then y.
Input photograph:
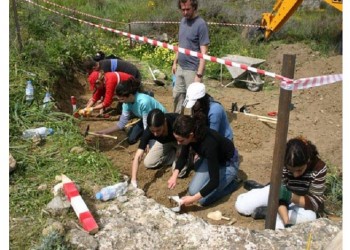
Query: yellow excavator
{"type": "Point", "coordinates": [283, 10]}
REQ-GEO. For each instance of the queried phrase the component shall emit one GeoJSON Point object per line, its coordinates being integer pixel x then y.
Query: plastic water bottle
{"type": "Point", "coordinates": [42, 132]}
{"type": "Point", "coordinates": [47, 99]}
{"type": "Point", "coordinates": [29, 92]}
{"type": "Point", "coordinates": [111, 192]}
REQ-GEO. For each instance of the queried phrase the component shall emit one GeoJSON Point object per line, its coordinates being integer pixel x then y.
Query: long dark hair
{"type": "Point", "coordinates": [155, 118]}
{"type": "Point", "coordinates": [299, 152]}
{"type": "Point", "coordinates": [184, 125]}
{"type": "Point", "coordinates": [200, 109]}
{"type": "Point", "coordinates": [127, 87]}
{"type": "Point", "coordinates": [89, 64]}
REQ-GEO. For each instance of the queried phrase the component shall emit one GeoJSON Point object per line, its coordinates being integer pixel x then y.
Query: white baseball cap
{"type": "Point", "coordinates": [195, 91]}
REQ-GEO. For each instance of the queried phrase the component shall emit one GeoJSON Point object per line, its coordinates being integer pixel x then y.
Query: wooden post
{"type": "Point", "coordinates": [18, 30]}
{"type": "Point", "coordinates": [280, 143]}
{"type": "Point", "coordinates": [129, 24]}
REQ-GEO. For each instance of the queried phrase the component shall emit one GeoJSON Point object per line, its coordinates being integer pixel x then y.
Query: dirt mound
{"type": "Point", "coordinates": [317, 114]}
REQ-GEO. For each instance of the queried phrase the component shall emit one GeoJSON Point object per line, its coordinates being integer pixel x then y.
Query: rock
{"type": "Point", "coordinates": [58, 206]}
{"type": "Point", "coordinates": [12, 163]}
{"type": "Point", "coordinates": [81, 240]}
{"type": "Point", "coordinates": [55, 226]}
{"type": "Point", "coordinates": [336, 243]}
{"type": "Point", "coordinates": [42, 187]}
{"type": "Point", "coordinates": [77, 150]}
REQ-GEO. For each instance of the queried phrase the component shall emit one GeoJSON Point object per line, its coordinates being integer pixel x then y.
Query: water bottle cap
{"type": "Point", "coordinates": [99, 196]}
{"type": "Point", "coordinates": [51, 131]}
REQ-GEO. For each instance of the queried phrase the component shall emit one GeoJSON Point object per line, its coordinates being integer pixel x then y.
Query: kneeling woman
{"type": "Point", "coordinates": [216, 175]}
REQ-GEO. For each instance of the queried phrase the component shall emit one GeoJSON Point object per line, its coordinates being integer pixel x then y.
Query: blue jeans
{"type": "Point", "coordinates": [135, 132]}
{"type": "Point", "coordinates": [227, 184]}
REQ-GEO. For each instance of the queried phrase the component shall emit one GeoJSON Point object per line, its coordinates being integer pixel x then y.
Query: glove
{"type": "Point", "coordinates": [86, 111]}
{"type": "Point", "coordinates": [284, 194]}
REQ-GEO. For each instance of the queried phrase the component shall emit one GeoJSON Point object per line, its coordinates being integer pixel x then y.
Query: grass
{"type": "Point", "coordinates": [334, 190]}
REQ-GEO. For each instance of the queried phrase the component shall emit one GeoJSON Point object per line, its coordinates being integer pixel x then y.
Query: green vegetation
{"type": "Point", "coordinates": [54, 48]}
{"type": "Point", "coordinates": [334, 190]}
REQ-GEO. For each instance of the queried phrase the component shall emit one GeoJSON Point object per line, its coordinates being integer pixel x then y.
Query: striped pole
{"type": "Point", "coordinates": [81, 210]}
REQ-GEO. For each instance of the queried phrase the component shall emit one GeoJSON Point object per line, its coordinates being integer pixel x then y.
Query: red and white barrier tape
{"type": "Point", "coordinates": [310, 82]}
{"type": "Point", "coordinates": [81, 210]}
{"type": "Point", "coordinates": [285, 80]}
{"type": "Point", "coordinates": [209, 23]}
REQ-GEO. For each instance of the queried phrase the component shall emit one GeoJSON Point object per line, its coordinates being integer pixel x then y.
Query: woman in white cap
{"type": "Point", "coordinates": [203, 106]}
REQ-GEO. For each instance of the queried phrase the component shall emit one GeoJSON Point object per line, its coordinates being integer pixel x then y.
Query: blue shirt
{"type": "Point", "coordinates": [142, 105]}
{"type": "Point", "coordinates": [218, 120]}
{"type": "Point", "coordinates": [193, 33]}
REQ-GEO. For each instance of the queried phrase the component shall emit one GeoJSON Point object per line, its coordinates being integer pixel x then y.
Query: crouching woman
{"type": "Point", "coordinates": [301, 195]}
{"type": "Point", "coordinates": [216, 174]}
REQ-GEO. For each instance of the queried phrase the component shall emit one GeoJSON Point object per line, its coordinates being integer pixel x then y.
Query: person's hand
{"type": "Point", "coordinates": [86, 111]}
{"type": "Point", "coordinates": [195, 158]}
{"type": "Point", "coordinates": [187, 200]}
{"type": "Point", "coordinates": [147, 149]}
{"type": "Point", "coordinates": [172, 181]}
{"type": "Point", "coordinates": [284, 194]}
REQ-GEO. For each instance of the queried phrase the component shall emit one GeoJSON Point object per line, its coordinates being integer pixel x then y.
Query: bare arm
{"type": "Point", "coordinates": [173, 69]}
{"type": "Point", "coordinates": [90, 103]}
{"type": "Point", "coordinates": [201, 66]}
{"type": "Point", "coordinates": [283, 212]}
{"type": "Point", "coordinates": [135, 164]}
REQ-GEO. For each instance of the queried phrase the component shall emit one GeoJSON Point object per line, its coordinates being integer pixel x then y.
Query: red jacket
{"type": "Point", "coordinates": [111, 80]}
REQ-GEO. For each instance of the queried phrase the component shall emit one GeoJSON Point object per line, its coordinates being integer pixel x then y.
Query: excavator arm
{"type": "Point", "coordinates": [283, 10]}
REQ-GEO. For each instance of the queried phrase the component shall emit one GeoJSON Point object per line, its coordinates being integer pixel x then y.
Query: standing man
{"type": "Point", "coordinates": [193, 35]}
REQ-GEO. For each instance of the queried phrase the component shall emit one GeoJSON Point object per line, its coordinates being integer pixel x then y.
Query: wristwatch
{"type": "Point", "coordinates": [199, 75]}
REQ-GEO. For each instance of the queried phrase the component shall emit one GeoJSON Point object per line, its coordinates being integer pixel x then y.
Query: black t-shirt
{"type": "Point", "coordinates": [216, 149]}
{"type": "Point", "coordinates": [147, 135]}
{"type": "Point", "coordinates": [122, 66]}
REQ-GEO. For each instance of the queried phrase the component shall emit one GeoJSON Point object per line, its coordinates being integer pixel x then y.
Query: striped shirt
{"type": "Point", "coordinates": [311, 184]}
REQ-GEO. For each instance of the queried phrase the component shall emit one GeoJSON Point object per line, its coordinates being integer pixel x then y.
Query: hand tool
{"type": "Point", "coordinates": [96, 134]}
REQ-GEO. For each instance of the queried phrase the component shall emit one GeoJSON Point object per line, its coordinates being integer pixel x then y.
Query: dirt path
{"type": "Point", "coordinates": [317, 115]}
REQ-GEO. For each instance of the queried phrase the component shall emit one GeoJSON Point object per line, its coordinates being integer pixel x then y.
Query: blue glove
{"type": "Point", "coordinates": [284, 194]}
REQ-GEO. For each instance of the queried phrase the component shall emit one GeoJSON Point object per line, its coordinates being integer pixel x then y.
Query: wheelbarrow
{"type": "Point", "coordinates": [252, 80]}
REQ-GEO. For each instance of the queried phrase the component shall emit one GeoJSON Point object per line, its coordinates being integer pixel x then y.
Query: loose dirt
{"type": "Point", "coordinates": [317, 115]}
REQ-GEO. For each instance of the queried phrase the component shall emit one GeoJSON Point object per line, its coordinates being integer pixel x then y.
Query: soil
{"type": "Point", "coordinates": [317, 115]}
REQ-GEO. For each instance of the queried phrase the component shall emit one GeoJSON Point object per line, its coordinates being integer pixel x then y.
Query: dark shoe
{"type": "Point", "coordinates": [259, 213]}
{"type": "Point", "coordinates": [250, 184]}
{"type": "Point", "coordinates": [184, 172]}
